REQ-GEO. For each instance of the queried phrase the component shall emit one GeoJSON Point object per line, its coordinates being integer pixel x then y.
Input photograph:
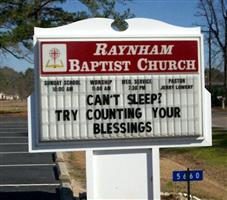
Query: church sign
{"type": "Point", "coordinates": [96, 91]}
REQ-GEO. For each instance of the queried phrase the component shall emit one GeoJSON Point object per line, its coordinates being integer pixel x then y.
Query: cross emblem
{"type": "Point", "coordinates": [54, 57]}
{"type": "Point", "coordinates": [54, 54]}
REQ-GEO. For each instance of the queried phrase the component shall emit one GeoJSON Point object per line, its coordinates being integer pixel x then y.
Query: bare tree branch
{"type": "Point", "coordinates": [25, 57]}
{"type": "Point", "coordinates": [223, 8]}
{"type": "Point", "coordinates": [215, 15]}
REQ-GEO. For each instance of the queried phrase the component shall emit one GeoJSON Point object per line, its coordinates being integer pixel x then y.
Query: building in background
{"type": "Point", "coordinates": [9, 97]}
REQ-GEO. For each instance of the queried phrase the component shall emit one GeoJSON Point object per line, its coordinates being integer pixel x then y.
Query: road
{"type": "Point", "coordinates": [219, 118]}
{"type": "Point", "coordinates": [24, 176]}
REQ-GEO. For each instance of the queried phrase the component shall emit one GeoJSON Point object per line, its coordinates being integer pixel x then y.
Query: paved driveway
{"type": "Point", "coordinates": [24, 176]}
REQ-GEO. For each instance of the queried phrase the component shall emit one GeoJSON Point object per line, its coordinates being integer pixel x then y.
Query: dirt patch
{"type": "Point", "coordinates": [14, 106]}
{"type": "Point", "coordinates": [75, 162]}
{"type": "Point", "coordinates": [209, 188]}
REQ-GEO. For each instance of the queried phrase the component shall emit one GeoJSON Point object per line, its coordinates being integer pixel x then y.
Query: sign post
{"type": "Point", "coordinates": [188, 184]}
{"type": "Point", "coordinates": [123, 174]}
{"type": "Point", "coordinates": [104, 91]}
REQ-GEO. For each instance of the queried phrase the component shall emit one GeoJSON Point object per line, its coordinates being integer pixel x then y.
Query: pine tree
{"type": "Point", "coordinates": [18, 19]}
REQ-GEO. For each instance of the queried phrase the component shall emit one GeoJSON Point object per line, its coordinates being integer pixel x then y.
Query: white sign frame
{"type": "Point", "coordinates": [100, 29]}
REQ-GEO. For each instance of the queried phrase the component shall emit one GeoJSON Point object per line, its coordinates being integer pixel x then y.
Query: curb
{"type": "Point", "coordinates": [65, 188]}
{"type": "Point", "coordinates": [59, 157]}
{"type": "Point", "coordinates": [63, 172]}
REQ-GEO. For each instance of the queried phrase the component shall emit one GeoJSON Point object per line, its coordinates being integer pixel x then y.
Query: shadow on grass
{"type": "Point", "coordinates": [220, 140]}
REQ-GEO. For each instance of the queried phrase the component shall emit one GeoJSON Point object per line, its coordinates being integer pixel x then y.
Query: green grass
{"type": "Point", "coordinates": [214, 155]}
{"type": "Point", "coordinates": [220, 139]}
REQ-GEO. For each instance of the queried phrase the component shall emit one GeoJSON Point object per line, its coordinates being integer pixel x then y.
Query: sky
{"type": "Point", "coordinates": [176, 12]}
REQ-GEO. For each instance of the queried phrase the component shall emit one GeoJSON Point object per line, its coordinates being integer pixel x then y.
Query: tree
{"type": "Point", "coordinates": [215, 15]}
{"type": "Point", "coordinates": [16, 83]}
{"type": "Point", "coordinates": [18, 18]}
{"type": "Point", "coordinates": [217, 76]}
{"type": "Point", "coordinates": [106, 8]}
{"type": "Point", "coordinates": [29, 81]}
{"type": "Point", "coordinates": [8, 80]}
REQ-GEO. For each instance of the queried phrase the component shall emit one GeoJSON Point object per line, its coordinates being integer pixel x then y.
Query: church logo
{"type": "Point", "coordinates": [54, 58]}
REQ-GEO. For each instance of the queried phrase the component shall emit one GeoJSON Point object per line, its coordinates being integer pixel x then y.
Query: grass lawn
{"type": "Point", "coordinates": [213, 160]}
{"type": "Point", "coordinates": [213, 156]}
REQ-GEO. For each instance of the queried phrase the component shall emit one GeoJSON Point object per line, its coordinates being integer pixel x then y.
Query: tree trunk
{"type": "Point", "coordinates": [210, 67]}
{"type": "Point", "coordinates": [225, 57]}
{"type": "Point", "coordinates": [225, 72]}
